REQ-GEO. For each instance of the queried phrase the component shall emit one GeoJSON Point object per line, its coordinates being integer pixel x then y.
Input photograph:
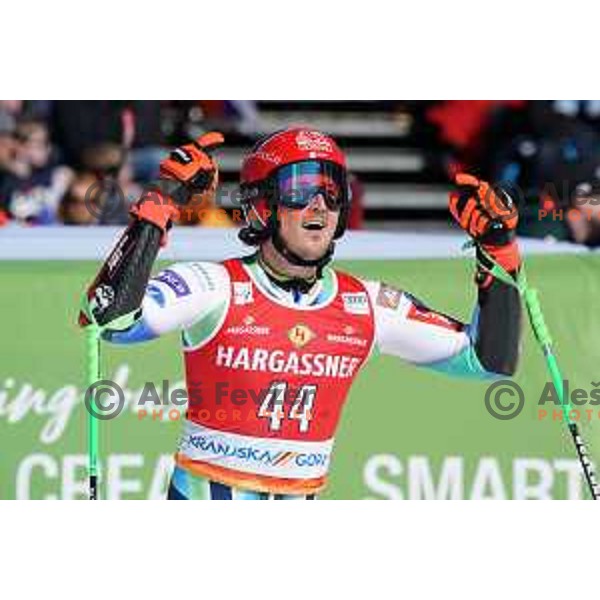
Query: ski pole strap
{"type": "Point", "coordinates": [530, 297]}
{"type": "Point", "coordinates": [493, 268]}
{"type": "Point", "coordinates": [536, 316]}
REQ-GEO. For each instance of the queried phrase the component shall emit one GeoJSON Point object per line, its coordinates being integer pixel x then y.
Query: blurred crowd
{"type": "Point", "coordinates": [60, 161]}
{"type": "Point", "coordinates": [546, 152]}
{"type": "Point", "coordinates": [53, 153]}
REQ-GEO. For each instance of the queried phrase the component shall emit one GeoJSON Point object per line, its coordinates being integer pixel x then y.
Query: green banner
{"type": "Point", "coordinates": [405, 432]}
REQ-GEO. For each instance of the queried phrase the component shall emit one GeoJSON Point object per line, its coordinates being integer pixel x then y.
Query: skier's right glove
{"type": "Point", "coordinates": [188, 170]}
{"type": "Point", "coordinates": [192, 165]}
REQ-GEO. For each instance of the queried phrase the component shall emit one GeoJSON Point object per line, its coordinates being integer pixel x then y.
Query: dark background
{"type": "Point", "coordinates": [402, 154]}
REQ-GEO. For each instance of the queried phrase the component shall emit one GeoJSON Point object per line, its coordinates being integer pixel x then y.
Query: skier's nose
{"type": "Point", "coordinates": [317, 203]}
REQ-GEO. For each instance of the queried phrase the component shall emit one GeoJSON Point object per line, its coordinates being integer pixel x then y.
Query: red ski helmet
{"type": "Point", "coordinates": [300, 155]}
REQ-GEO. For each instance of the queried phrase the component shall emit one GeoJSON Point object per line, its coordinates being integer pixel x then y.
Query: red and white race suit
{"type": "Point", "coordinates": [268, 370]}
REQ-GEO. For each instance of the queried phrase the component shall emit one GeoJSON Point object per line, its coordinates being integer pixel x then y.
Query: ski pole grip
{"type": "Point", "coordinates": [537, 318]}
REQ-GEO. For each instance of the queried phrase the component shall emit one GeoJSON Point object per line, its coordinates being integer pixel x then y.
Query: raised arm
{"type": "Point", "coordinates": [115, 297]}
{"type": "Point", "coordinates": [489, 345]}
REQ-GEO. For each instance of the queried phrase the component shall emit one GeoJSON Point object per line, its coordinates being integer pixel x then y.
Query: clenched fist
{"type": "Point", "coordinates": [489, 216]}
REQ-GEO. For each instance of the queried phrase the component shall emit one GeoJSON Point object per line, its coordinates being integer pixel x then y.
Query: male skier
{"type": "Point", "coordinates": [273, 341]}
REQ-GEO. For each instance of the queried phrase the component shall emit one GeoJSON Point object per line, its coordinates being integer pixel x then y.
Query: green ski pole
{"type": "Point", "coordinates": [92, 341]}
{"type": "Point", "coordinates": [542, 335]}
{"type": "Point", "coordinates": [540, 330]}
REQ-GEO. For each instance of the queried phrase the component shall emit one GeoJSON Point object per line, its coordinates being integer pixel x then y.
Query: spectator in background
{"type": "Point", "coordinates": [552, 161]}
{"type": "Point", "coordinates": [81, 124]}
{"type": "Point", "coordinates": [7, 159]}
{"type": "Point", "coordinates": [13, 108]}
{"type": "Point", "coordinates": [548, 152]}
{"type": "Point", "coordinates": [132, 124]}
{"type": "Point", "coordinates": [35, 183]}
{"type": "Point", "coordinates": [583, 220]}
{"type": "Point", "coordinates": [75, 206]}
{"type": "Point", "coordinates": [114, 187]}
{"type": "Point", "coordinates": [145, 138]}
{"type": "Point", "coordinates": [7, 147]}
{"type": "Point", "coordinates": [33, 109]}
{"type": "Point", "coordinates": [470, 130]}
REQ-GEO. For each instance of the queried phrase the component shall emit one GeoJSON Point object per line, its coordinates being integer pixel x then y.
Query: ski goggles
{"type": "Point", "coordinates": [297, 184]}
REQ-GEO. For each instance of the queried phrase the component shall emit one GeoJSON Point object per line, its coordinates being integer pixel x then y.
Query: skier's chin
{"type": "Point", "coordinates": [312, 245]}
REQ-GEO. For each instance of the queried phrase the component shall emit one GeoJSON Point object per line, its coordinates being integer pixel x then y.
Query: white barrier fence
{"type": "Point", "coordinates": [203, 243]}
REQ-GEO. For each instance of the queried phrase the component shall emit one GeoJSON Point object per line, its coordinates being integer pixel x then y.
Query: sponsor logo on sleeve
{"type": "Point", "coordinates": [114, 260]}
{"type": "Point", "coordinates": [388, 296]}
{"type": "Point", "coordinates": [154, 292]}
{"type": "Point", "coordinates": [175, 281]}
{"type": "Point", "coordinates": [242, 292]}
{"type": "Point", "coordinates": [356, 303]}
{"type": "Point", "coordinates": [104, 296]}
{"type": "Point", "coordinates": [418, 312]}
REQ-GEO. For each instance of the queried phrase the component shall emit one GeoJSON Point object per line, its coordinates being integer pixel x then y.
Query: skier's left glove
{"type": "Point", "coordinates": [490, 216]}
